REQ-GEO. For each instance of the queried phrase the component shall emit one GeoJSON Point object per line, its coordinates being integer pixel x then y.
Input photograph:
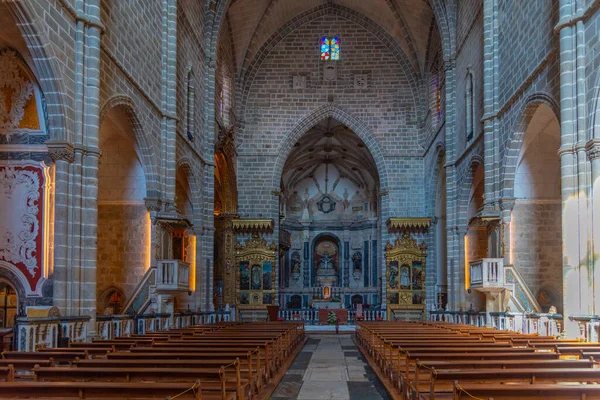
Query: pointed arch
{"type": "Point", "coordinates": [511, 155]}
{"type": "Point", "coordinates": [144, 147]}
{"type": "Point", "coordinates": [343, 116]}
{"type": "Point", "coordinates": [46, 66]}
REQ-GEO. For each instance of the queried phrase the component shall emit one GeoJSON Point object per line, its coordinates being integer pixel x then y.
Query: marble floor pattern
{"type": "Point", "coordinates": [330, 367]}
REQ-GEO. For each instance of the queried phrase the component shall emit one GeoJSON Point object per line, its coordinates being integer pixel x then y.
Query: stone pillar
{"type": "Point", "coordinates": [62, 155]}
{"type": "Point", "coordinates": [454, 240]}
{"type": "Point", "coordinates": [575, 185]}
{"type": "Point", "coordinates": [169, 98]}
{"type": "Point", "coordinates": [593, 152]}
{"type": "Point", "coordinates": [225, 240]}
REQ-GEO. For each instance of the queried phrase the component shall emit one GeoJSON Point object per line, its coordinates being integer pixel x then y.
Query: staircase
{"type": "Point", "coordinates": [159, 284]}
{"type": "Point", "coordinates": [139, 302]}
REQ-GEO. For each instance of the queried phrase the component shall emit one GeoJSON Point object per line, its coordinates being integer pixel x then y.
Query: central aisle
{"type": "Point", "coordinates": [329, 367]}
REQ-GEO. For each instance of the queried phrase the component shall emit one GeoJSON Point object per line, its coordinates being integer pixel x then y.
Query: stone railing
{"type": "Point", "coordinates": [536, 323]}
{"type": "Point", "coordinates": [32, 333]}
{"type": "Point", "coordinates": [369, 314]}
{"type": "Point", "coordinates": [473, 318]}
{"type": "Point", "coordinates": [173, 275]}
{"type": "Point", "coordinates": [310, 316]}
{"type": "Point", "coordinates": [487, 272]}
{"type": "Point", "coordinates": [111, 326]}
{"type": "Point", "coordinates": [589, 327]}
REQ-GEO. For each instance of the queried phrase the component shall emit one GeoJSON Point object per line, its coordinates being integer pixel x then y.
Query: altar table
{"type": "Point", "coordinates": [341, 314]}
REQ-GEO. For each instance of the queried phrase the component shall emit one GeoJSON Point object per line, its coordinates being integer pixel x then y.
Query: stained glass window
{"type": "Point", "coordinates": [330, 48]}
{"type": "Point", "coordinates": [325, 49]}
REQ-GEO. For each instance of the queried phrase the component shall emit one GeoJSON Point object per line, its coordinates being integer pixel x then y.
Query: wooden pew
{"type": "Point", "coordinates": [250, 366]}
{"type": "Point", "coordinates": [442, 381]}
{"type": "Point", "coordinates": [25, 364]}
{"type": "Point", "coordinates": [57, 356]}
{"type": "Point", "coordinates": [7, 373]}
{"type": "Point", "coordinates": [525, 391]}
{"type": "Point", "coordinates": [212, 378]}
{"type": "Point", "coordinates": [112, 390]}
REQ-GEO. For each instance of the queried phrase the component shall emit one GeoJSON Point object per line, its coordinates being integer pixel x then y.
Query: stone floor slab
{"type": "Point", "coordinates": [324, 391]}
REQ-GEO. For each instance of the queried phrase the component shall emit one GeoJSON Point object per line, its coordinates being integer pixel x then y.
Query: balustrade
{"type": "Point", "coordinates": [173, 275]}
{"type": "Point", "coordinates": [487, 273]}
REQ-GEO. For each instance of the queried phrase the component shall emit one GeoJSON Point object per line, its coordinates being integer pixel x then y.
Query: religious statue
{"type": "Point", "coordinates": [256, 275]}
{"type": "Point", "coordinates": [296, 265]}
{"type": "Point", "coordinates": [326, 262]}
{"type": "Point", "coordinates": [357, 261]}
{"type": "Point", "coordinates": [404, 277]}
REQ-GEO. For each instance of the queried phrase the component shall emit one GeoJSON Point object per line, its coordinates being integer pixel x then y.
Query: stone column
{"type": "Point", "coordinates": [226, 250]}
{"type": "Point", "coordinates": [62, 155]}
{"type": "Point", "coordinates": [169, 98]}
{"type": "Point", "coordinates": [89, 172]}
{"type": "Point", "coordinates": [490, 102]}
{"type": "Point", "coordinates": [454, 241]}
{"type": "Point", "coordinates": [575, 185]}
{"type": "Point", "coordinates": [593, 152]}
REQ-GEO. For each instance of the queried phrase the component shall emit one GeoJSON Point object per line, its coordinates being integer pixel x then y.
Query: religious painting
{"type": "Point", "coordinates": [267, 275]}
{"type": "Point", "coordinates": [244, 276]}
{"type": "Point", "coordinates": [267, 298]}
{"type": "Point", "coordinates": [393, 279]}
{"type": "Point", "coordinates": [244, 298]}
{"type": "Point", "coordinates": [256, 281]}
{"type": "Point", "coordinates": [404, 277]}
{"type": "Point", "coordinates": [417, 298]}
{"type": "Point", "coordinates": [393, 298]}
{"type": "Point", "coordinates": [417, 279]}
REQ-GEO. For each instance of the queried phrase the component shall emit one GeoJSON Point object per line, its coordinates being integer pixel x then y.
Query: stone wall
{"type": "Point", "coordinates": [274, 108]}
{"type": "Point", "coordinates": [537, 247]}
{"type": "Point", "coordinates": [123, 247]}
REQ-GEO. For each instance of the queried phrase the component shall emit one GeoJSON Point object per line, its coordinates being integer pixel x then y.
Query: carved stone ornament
{"type": "Point", "coordinates": [593, 152]}
{"type": "Point", "coordinates": [360, 81]}
{"type": "Point", "coordinates": [329, 72]}
{"type": "Point", "coordinates": [326, 204]}
{"type": "Point", "coordinates": [15, 90]}
{"type": "Point", "coordinates": [61, 151]}
{"type": "Point", "coordinates": [299, 82]}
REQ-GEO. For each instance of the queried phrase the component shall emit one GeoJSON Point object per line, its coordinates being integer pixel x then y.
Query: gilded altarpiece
{"type": "Point", "coordinates": [405, 277]}
{"type": "Point", "coordinates": [255, 273]}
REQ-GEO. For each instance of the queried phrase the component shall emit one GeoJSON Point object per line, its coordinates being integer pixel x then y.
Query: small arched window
{"type": "Point", "coordinates": [190, 115]}
{"type": "Point", "coordinates": [469, 106]}
{"type": "Point", "coordinates": [330, 48]}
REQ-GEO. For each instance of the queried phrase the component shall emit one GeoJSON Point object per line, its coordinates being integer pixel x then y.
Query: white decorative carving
{"type": "Point", "coordinates": [20, 193]}
{"type": "Point", "coordinates": [20, 89]}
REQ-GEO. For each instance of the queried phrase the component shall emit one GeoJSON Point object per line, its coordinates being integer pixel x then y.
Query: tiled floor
{"type": "Point", "coordinates": [329, 367]}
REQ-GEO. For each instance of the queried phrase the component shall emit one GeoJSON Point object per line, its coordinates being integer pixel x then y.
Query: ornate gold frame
{"type": "Point", "coordinates": [255, 251]}
{"type": "Point", "coordinates": [405, 250]}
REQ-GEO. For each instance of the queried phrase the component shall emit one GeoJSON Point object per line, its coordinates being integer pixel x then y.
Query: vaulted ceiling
{"type": "Point", "coordinates": [252, 22]}
{"type": "Point", "coordinates": [330, 142]}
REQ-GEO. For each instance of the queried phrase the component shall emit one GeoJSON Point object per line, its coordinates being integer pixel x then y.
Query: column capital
{"type": "Point", "coordinates": [592, 149]}
{"type": "Point", "coordinates": [152, 204]}
{"type": "Point", "coordinates": [507, 204]}
{"type": "Point", "coordinates": [63, 151]}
